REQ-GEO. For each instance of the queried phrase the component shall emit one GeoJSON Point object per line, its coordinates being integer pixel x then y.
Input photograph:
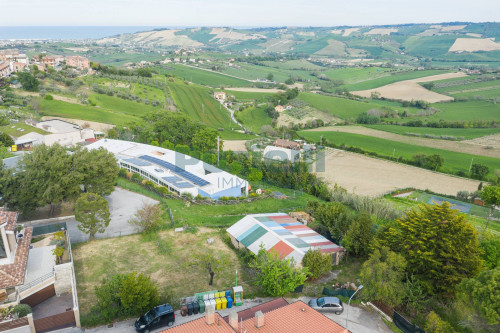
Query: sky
{"type": "Point", "coordinates": [243, 13]}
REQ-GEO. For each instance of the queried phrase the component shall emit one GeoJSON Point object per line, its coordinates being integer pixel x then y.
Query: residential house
{"type": "Point", "coordinates": [31, 274]}
{"type": "Point", "coordinates": [5, 70]}
{"type": "Point", "coordinates": [18, 66]}
{"type": "Point", "coordinates": [281, 154]}
{"type": "Point", "coordinates": [279, 108]}
{"type": "Point", "coordinates": [220, 96]}
{"type": "Point", "coordinates": [281, 233]}
{"type": "Point", "coordinates": [270, 317]}
{"type": "Point", "coordinates": [286, 144]}
{"type": "Point", "coordinates": [288, 107]}
{"type": "Point", "coordinates": [78, 62]}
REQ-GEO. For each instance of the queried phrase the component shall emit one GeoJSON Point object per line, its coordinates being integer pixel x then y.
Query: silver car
{"type": "Point", "coordinates": [330, 304]}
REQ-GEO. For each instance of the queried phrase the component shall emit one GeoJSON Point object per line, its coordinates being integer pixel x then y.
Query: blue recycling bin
{"type": "Point", "coordinates": [228, 293]}
{"type": "Point", "coordinates": [229, 302]}
{"type": "Point", "coordinates": [196, 307]}
{"type": "Point", "coordinates": [190, 309]}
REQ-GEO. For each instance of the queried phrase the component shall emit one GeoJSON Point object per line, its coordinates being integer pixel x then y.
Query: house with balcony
{"type": "Point", "coordinates": [32, 274]}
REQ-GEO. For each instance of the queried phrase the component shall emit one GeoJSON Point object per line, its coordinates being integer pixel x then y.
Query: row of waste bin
{"type": "Point", "coordinates": [200, 302]}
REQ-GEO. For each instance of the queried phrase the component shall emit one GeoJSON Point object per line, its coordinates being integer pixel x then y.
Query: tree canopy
{"type": "Point", "coordinates": [28, 81]}
{"type": "Point", "coordinates": [92, 211]}
{"type": "Point", "coordinates": [439, 244]}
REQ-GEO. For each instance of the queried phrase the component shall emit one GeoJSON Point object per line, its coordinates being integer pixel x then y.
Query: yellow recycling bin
{"type": "Point", "coordinates": [224, 302]}
{"type": "Point", "coordinates": [218, 304]}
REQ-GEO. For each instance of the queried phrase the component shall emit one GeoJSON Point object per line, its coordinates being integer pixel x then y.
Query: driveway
{"type": "Point", "coordinates": [361, 320]}
{"type": "Point", "coordinates": [122, 205]}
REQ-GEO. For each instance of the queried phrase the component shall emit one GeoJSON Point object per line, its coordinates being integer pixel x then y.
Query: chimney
{"type": "Point", "coordinates": [210, 315]}
{"type": "Point", "coordinates": [233, 320]}
{"type": "Point", "coordinates": [259, 319]}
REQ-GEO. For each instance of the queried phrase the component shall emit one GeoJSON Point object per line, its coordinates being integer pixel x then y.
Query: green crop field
{"type": "Point", "coordinates": [396, 77]}
{"type": "Point", "coordinates": [121, 105]}
{"type": "Point", "coordinates": [255, 72]}
{"type": "Point", "coordinates": [246, 95]}
{"type": "Point", "coordinates": [254, 118]}
{"type": "Point", "coordinates": [358, 74]}
{"type": "Point", "coordinates": [493, 92]}
{"type": "Point", "coordinates": [471, 110]}
{"type": "Point", "coordinates": [466, 133]}
{"type": "Point", "coordinates": [85, 112]}
{"type": "Point", "coordinates": [429, 46]}
{"type": "Point", "coordinates": [340, 107]}
{"type": "Point", "coordinates": [466, 86]}
{"type": "Point", "coordinates": [204, 77]}
{"type": "Point", "coordinates": [453, 161]}
{"type": "Point", "coordinates": [294, 64]}
{"type": "Point", "coordinates": [197, 103]}
{"type": "Point", "coordinates": [19, 129]}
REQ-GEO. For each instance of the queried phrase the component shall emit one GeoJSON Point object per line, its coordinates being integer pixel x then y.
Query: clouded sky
{"type": "Point", "coordinates": [244, 12]}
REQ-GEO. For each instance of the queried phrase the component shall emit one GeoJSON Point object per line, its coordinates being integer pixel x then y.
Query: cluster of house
{"type": "Point", "coordinates": [286, 150]}
{"type": "Point", "coordinates": [11, 61]}
{"type": "Point", "coordinates": [281, 108]}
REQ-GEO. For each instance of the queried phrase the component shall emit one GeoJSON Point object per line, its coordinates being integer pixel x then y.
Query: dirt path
{"type": "Point", "coordinates": [94, 125]}
{"type": "Point", "coordinates": [469, 147]}
{"type": "Point", "coordinates": [409, 90]}
{"type": "Point", "coordinates": [235, 145]}
{"type": "Point", "coordinates": [56, 97]}
{"type": "Point", "coordinates": [374, 177]}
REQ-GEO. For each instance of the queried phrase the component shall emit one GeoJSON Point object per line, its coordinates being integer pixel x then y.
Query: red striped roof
{"type": "Point", "coordinates": [282, 248]}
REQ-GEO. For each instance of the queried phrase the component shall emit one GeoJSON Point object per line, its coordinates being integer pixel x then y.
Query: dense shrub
{"type": "Point", "coordinates": [22, 310]}
{"type": "Point", "coordinates": [317, 263]}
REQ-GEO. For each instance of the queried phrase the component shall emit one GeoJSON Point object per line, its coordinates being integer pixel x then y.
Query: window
{"type": "Point", "coordinates": [3, 253]}
{"type": "Point", "coordinates": [321, 301]}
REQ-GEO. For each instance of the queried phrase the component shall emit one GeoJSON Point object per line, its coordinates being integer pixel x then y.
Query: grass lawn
{"type": "Point", "coordinates": [223, 215]}
{"type": "Point", "coordinates": [466, 133]}
{"type": "Point", "coordinates": [119, 105]}
{"type": "Point", "coordinates": [203, 77]}
{"type": "Point", "coordinates": [358, 74]}
{"type": "Point", "coordinates": [85, 112]}
{"type": "Point", "coordinates": [254, 118]}
{"type": "Point", "coordinates": [19, 129]}
{"type": "Point", "coordinates": [101, 259]}
{"type": "Point", "coordinates": [453, 161]}
{"type": "Point", "coordinates": [246, 95]}
{"type": "Point", "coordinates": [197, 103]}
{"type": "Point", "coordinates": [233, 135]}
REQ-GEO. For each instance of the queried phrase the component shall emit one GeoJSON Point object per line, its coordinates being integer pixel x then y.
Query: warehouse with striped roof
{"type": "Point", "coordinates": [281, 233]}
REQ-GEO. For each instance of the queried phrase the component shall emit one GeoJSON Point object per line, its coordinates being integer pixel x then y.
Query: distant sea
{"type": "Point", "coordinates": [73, 32]}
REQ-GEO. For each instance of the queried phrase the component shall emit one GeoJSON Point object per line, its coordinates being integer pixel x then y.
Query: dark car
{"type": "Point", "coordinates": [331, 304]}
{"type": "Point", "coordinates": [162, 315]}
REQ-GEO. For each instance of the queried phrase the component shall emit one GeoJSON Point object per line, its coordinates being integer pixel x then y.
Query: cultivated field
{"type": "Point", "coordinates": [474, 45]}
{"type": "Point", "coordinates": [410, 90]}
{"type": "Point", "coordinates": [256, 90]}
{"type": "Point", "coordinates": [457, 146]}
{"type": "Point", "coordinates": [235, 145]}
{"type": "Point", "coordinates": [369, 176]}
{"type": "Point", "coordinates": [203, 77]}
{"type": "Point", "coordinates": [349, 31]}
{"type": "Point", "coordinates": [381, 31]}
{"type": "Point", "coordinates": [453, 161]}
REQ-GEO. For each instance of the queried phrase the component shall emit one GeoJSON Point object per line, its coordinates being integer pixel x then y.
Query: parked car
{"type": "Point", "coordinates": [162, 315]}
{"type": "Point", "coordinates": [331, 304]}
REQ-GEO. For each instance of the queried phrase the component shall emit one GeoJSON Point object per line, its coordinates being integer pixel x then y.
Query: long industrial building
{"type": "Point", "coordinates": [178, 172]}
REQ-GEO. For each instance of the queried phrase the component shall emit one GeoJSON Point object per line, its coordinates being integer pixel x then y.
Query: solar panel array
{"type": "Point", "coordinates": [183, 185]}
{"type": "Point", "coordinates": [137, 162]}
{"type": "Point", "coordinates": [181, 172]}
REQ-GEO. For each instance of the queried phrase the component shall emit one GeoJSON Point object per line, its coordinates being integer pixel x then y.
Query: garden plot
{"type": "Point", "coordinates": [409, 90]}
{"type": "Point", "coordinates": [474, 45]}
{"type": "Point", "coordinates": [374, 177]}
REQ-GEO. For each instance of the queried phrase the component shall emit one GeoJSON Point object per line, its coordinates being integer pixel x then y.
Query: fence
{"type": "Point", "coordinates": [55, 322]}
{"type": "Point", "coordinates": [36, 281]}
{"type": "Point", "coordinates": [338, 292]}
{"type": "Point", "coordinates": [48, 229]}
{"type": "Point", "coordinates": [404, 325]}
{"type": "Point", "coordinates": [10, 325]}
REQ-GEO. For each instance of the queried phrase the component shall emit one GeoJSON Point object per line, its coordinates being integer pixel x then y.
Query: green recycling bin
{"type": "Point", "coordinates": [202, 305]}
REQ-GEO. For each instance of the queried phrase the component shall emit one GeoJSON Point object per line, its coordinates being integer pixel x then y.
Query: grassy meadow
{"type": "Point", "coordinates": [466, 133]}
{"type": "Point", "coordinates": [19, 129]}
{"type": "Point", "coordinates": [203, 77]}
{"type": "Point", "coordinates": [254, 118]}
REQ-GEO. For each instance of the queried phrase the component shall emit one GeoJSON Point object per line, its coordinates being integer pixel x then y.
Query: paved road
{"type": "Point", "coordinates": [361, 319]}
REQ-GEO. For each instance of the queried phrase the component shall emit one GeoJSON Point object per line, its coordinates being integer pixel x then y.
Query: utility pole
{"type": "Point", "coordinates": [218, 149]}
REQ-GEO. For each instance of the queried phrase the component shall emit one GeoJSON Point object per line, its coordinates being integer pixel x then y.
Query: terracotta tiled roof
{"type": "Point", "coordinates": [265, 307]}
{"type": "Point", "coordinates": [201, 326]}
{"type": "Point", "coordinates": [286, 144]}
{"type": "Point", "coordinates": [13, 274]}
{"type": "Point", "coordinates": [291, 318]}
{"type": "Point", "coordinates": [10, 218]}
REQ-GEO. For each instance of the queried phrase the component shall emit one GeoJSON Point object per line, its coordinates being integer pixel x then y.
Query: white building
{"type": "Point", "coordinates": [178, 172]}
{"type": "Point", "coordinates": [281, 154]}
{"type": "Point", "coordinates": [62, 132]}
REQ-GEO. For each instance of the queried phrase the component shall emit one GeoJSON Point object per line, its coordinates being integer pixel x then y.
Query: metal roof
{"type": "Point", "coordinates": [281, 233]}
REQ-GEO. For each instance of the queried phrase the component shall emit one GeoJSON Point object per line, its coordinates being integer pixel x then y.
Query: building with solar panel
{"type": "Point", "coordinates": [180, 173]}
{"type": "Point", "coordinates": [281, 233]}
